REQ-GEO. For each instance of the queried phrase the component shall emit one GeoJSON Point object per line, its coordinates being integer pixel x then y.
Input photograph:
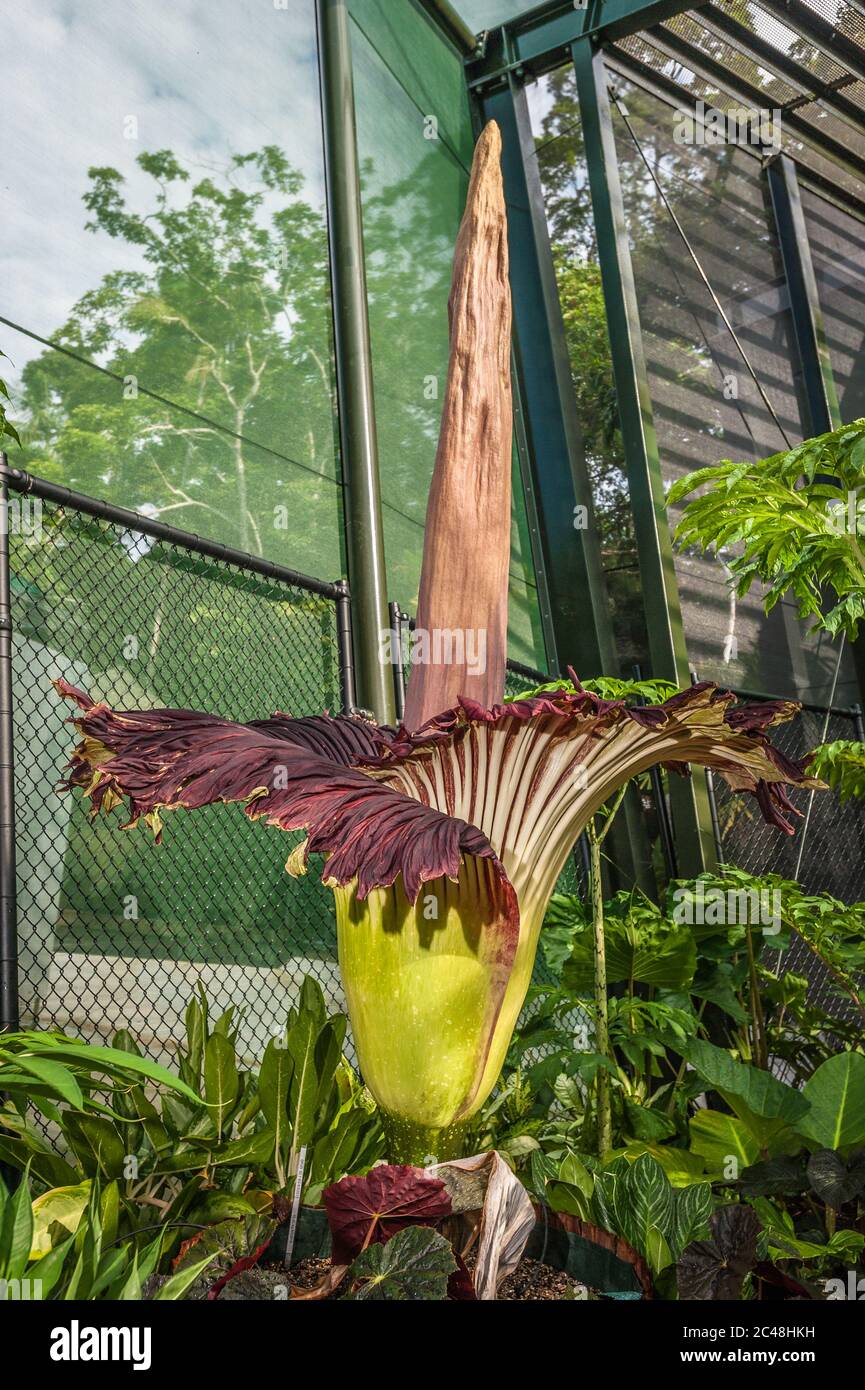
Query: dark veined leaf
{"type": "Point", "coordinates": [415, 1264]}
{"type": "Point", "coordinates": [835, 1181]}
{"type": "Point", "coordinates": [692, 1211]}
{"type": "Point", "coordinates": [363, 1210]}
{"type": "Point", "coordinates": [781, 1176]}
{"type": "Point", "coordinates": [716, 1268]}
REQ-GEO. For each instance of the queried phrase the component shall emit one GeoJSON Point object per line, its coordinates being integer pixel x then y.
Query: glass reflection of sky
{"type": "Point", "coordinates": [204, 80]}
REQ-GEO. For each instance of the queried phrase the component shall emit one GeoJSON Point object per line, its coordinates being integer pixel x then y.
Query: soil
{"type": "Point", "coordinates": [532, 1282]}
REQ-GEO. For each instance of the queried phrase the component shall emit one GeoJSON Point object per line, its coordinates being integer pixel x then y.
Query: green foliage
{"type": "Point", "coordinates": [6, 425]}
{"type": "Point", "coordinates": [842, 765]}
{"type": "Point", "coordinates": [643, 945]}
{"type": "Point", "coordinates": [648, 692]}
{"type": "Point", "coordinates": [50, 1068]}
{"type": "Point", "coordinates": [91, 1263]}
{"type": "Point", "coordinates": [785, 521]}
{"type": "Point", "coordinates": [836, 1099]}
{"type": "Point", "coordinates": [630, 1198]}
{"type": "Point", "coordinates": [415, 1264]}
{"type": "Point", "coordinates": [218, 1140]}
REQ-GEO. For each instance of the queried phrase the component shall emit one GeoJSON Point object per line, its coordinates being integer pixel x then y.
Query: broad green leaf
{"type": "Point", "coordinates": [179, 1283]}
{"type": "Point", "coordinates": [274, 1078]}
{"type": "Point", "coordinates": [681, 1167]}
{"type": "Point", "coordinates": [53, 1074]}
{"type": "Point", "coordinates": [97, 1137]}
{"type": "Point", "coordinates": [16, 1235]}
{"type": "Point", "coordinates": [312, 1003]}
{"type": "Point", "coordinates": [196, 1033]}
{"type": "Point", "coordinates": [836, 1093]}
{"type": "Point", "coordinates": [304, 1081]}
{"type": "Point", "coordinates": [657, 1251]}
{"type": "Point", "coordinates": [718, 1138]}
{"type": "Point", "coordinates": [51, 1266]}
{"type": "Point", "coordinates": [47, 1167]}
{"type": "Point", "coordinates": [572, 1171]}
{"type": "Point", "coordinates": [561, 1196]}
{"type": "Point", "coordinates": [650, 953]}
{"type": "Point", "coordinates": [328, 1051]}
{"type": "Point", "coordinates": [763, 1093]}
{"type": "Point", "coordinates": [107, 1060]}
{"type": "Point", "coordinates": [62, 1206]}
{"type": "Point", "coordinates": [220, 1078]}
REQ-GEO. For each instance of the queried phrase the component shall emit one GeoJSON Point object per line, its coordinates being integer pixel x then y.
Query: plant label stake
{"type": "Point", "coordinates": [295, 1206]}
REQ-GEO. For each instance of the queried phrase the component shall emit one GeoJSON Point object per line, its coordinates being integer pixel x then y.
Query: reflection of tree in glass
{"type": "Point", "coordinates": [409, 231]}
{"type": "Point", "coordinates": [228, 317]}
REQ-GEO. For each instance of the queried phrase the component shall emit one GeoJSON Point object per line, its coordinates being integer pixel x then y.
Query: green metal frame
{"type": "Point", "coordinates": [364, 532]}
{"type": "Point", "coordinates": [818, 382]}
{"type": "Point", "coordinates": [820, 398]}
{"type": "Point", "coordinates": [667, 650]}
{"type": "Point", "coordinates": [570, 559]}
{"type": "Point", "coordinates": [540, 39]}
{"type": "Point", "coordinates": [574, 602]}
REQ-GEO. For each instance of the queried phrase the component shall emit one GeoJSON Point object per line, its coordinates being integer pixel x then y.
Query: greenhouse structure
{"type": "Point", "coordinates": [435, 429]}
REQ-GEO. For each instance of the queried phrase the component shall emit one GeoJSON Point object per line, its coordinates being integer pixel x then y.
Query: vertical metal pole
{"type": "Point", "coordinates": [818, 383]}
{"type": "Point", "coordinates": [716, 824]}
{"type": "Point", "coordinates": [397, 617]}
{"type": "Point", "coordinates": [358, 440]}
{"type": "Point", "coordinates": [688, 797]}
{"type": "Point", "coordinates": [344, 645]}
{"type": "Point", "coordinates": [8, 914]}
{"type": "Point", "coordinates": [668, 844]}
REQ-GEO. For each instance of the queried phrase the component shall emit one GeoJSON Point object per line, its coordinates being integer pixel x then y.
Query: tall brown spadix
{"type": "Point", "coordinates": [462, 615]}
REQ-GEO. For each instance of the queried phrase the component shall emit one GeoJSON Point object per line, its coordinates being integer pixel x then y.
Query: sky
{"type": "Point", "coordinates": [204, 78]}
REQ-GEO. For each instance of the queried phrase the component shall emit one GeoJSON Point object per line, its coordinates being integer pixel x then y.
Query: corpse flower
{"type": "Point", "coordinates": [443, 838]}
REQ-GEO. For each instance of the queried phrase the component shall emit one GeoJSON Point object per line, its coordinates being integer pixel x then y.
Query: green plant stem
{"type": "Point", "coordinates": [602, 1028]}
{"type": "Point", "coordinates": [758, 1027]}
{"type": "Point", "coordinates": [415, 1144]}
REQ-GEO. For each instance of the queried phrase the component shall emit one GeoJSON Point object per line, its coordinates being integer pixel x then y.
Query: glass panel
{"type": "Point", "coordinates": [415, 143]}
{"type": "Point", "coordinates": [707, 406]}
{"type": "Point", "coordinates": [561, 165]}
{"type": "Point", "coordinates": [838, 252]}
{"type": "Point", "coordinates": [163, 222]}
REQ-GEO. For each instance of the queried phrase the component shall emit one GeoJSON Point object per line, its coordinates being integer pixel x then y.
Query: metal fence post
{"type": "Point", "coordinates": [397, 618]}
{"type": "Point", "coordinates": [364, 531]}
{"type": "Point", "coordinates": [8, 915]}
{"type": "Point", "coordinates": [344, 645]}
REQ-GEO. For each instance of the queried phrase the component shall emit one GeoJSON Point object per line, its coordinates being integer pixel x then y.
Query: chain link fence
{"type": "Point", "coordinates": [833, 855]}
{"type": "Point", "coordinates": [113, 931]}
